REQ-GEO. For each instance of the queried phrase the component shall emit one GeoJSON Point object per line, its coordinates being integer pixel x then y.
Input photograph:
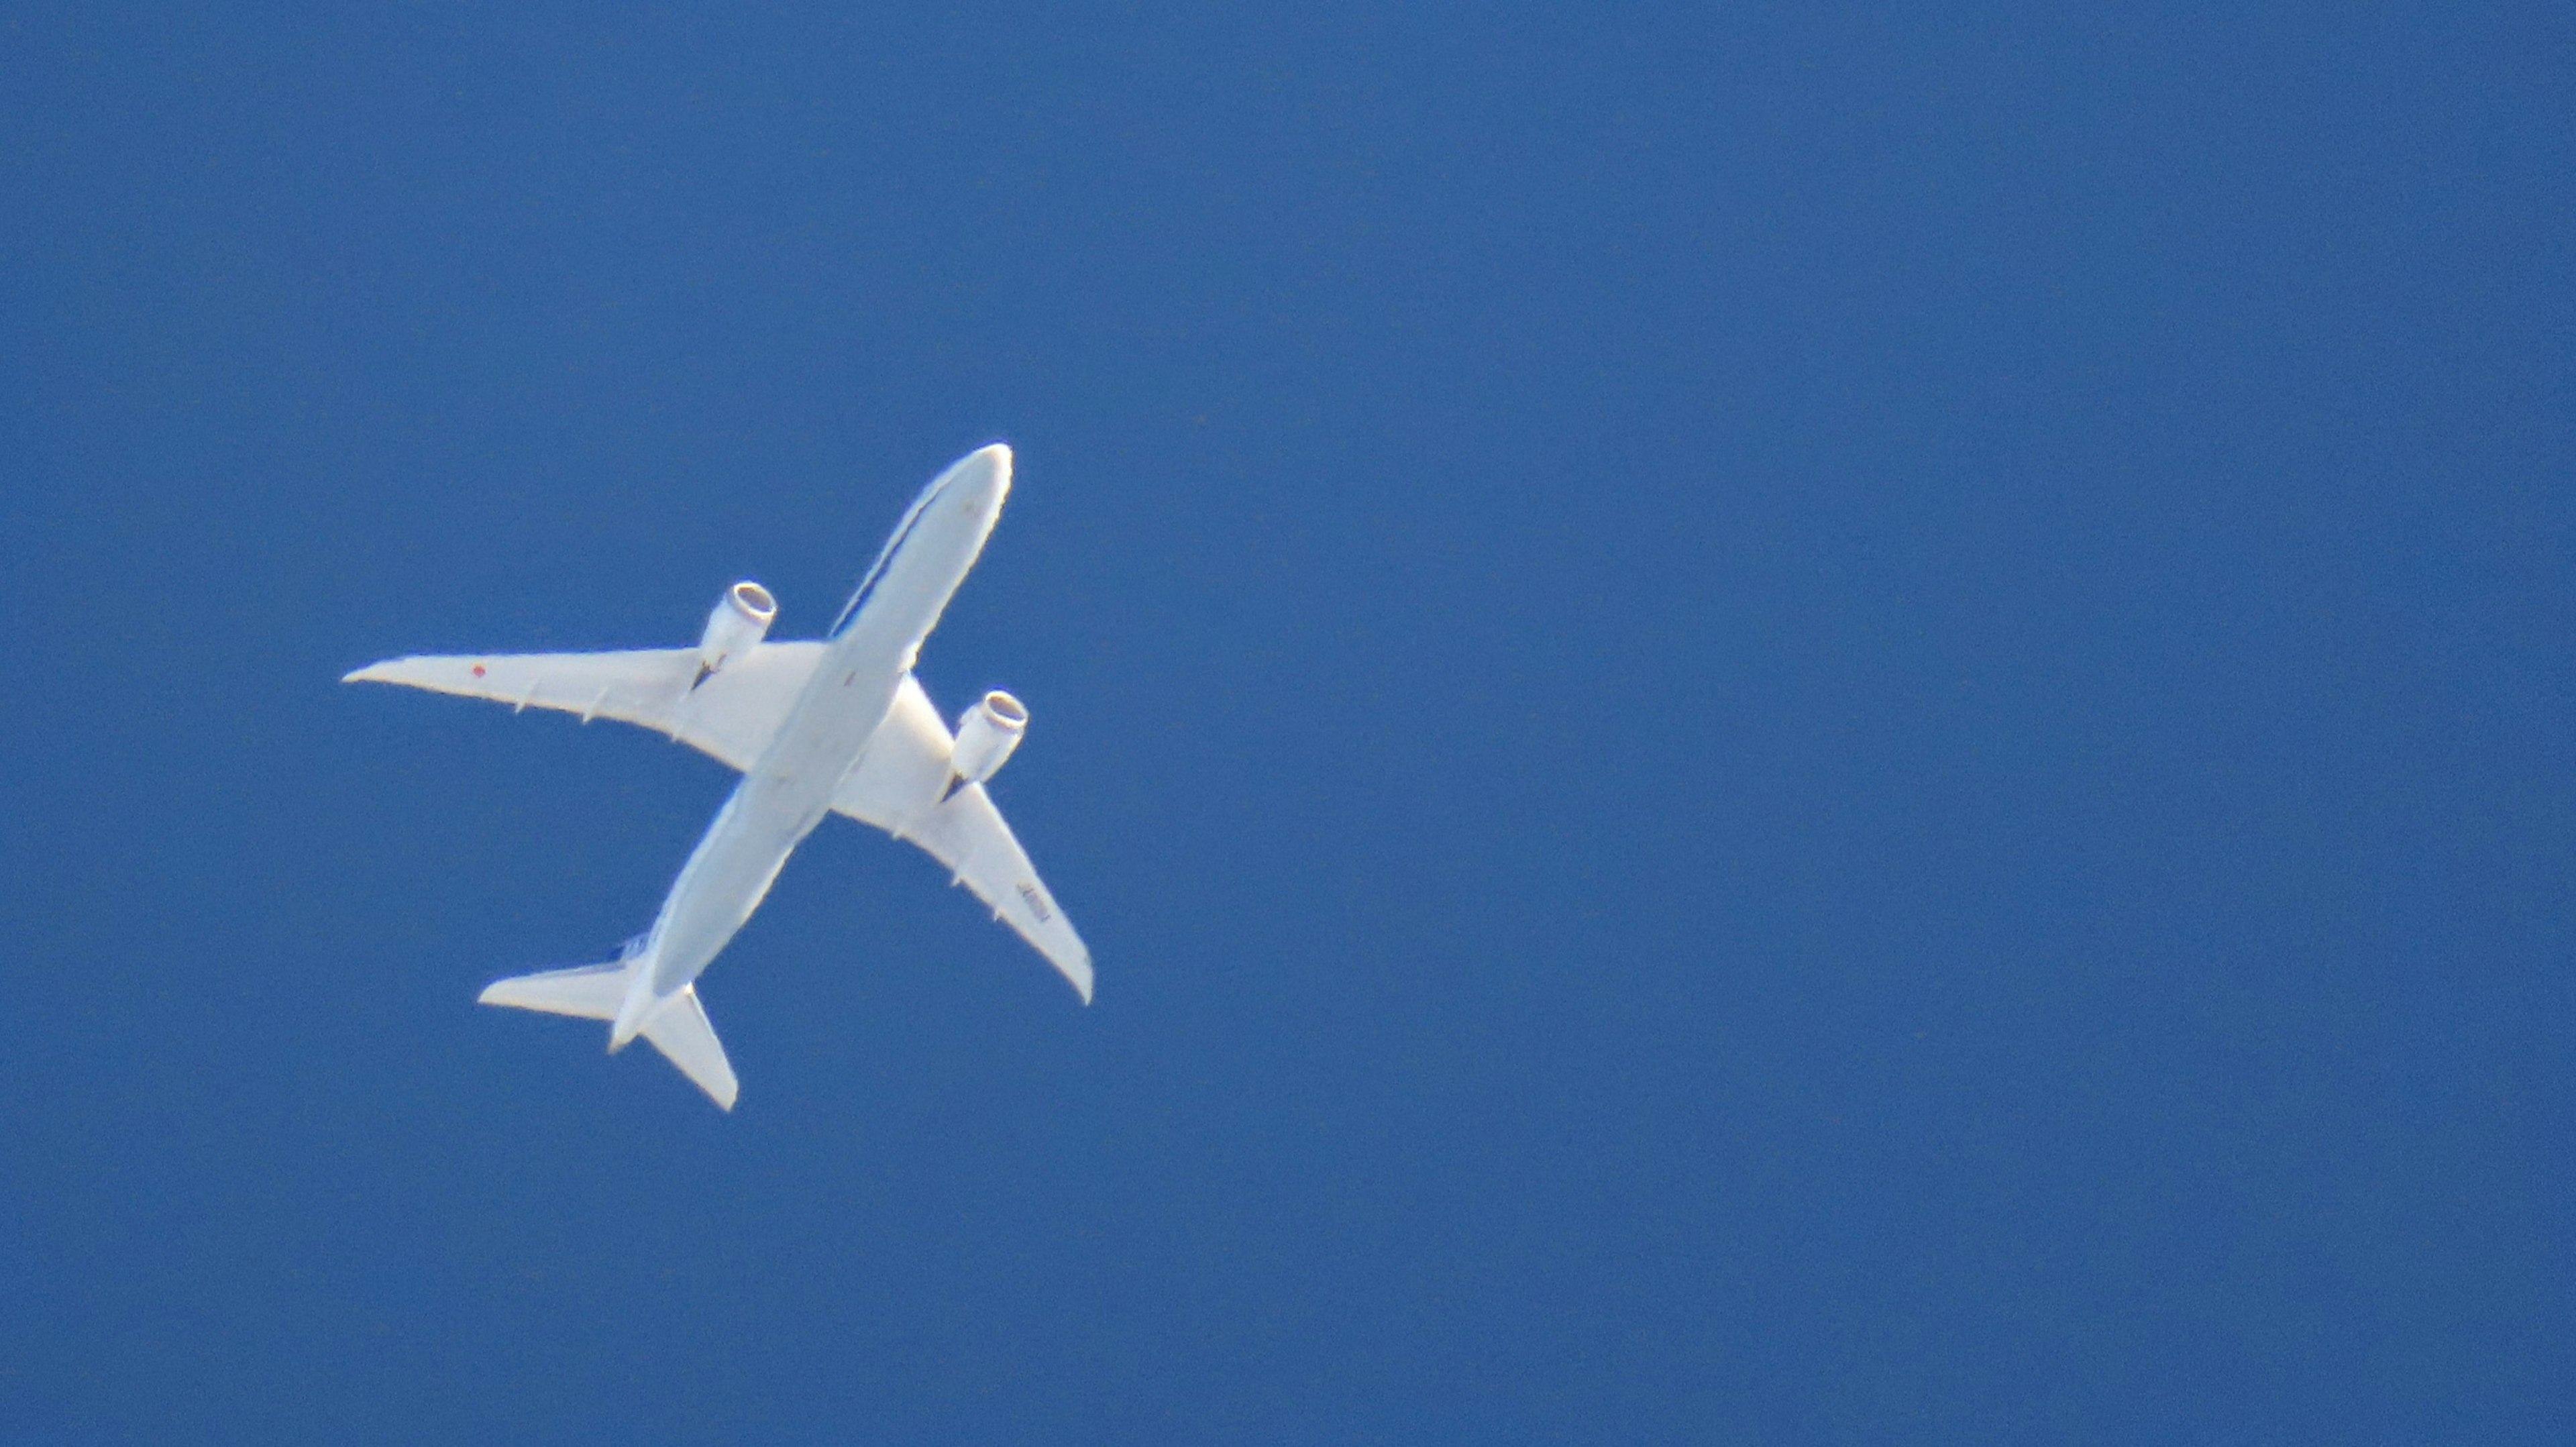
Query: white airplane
{"type": "Point", "coordinates": [834, 726]}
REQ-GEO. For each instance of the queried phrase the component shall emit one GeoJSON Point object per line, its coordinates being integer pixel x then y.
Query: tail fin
{"type": "Point", "coordinates": [593, 992]}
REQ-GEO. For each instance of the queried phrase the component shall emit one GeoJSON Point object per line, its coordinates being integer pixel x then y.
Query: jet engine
{"type": "Point", "coordinates": [986, 735]}
{"type": "Point", "coordinates": [741, 619]}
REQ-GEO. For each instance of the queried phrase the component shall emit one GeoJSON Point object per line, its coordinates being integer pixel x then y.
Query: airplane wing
{"type": "Point", "coordinates": [896, 787]}
{"type": "Point", "coordinates": [729, 717]}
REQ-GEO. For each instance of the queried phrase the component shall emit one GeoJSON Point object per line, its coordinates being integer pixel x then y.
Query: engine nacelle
{"type": "Point", "coordinates": [741, 620]}
{"type": "Point", "coordinates": [986, 734]}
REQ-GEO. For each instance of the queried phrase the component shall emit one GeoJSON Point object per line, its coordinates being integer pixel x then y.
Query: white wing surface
{"type": "Point", "coordinates": [897, 787]}
{"type": "Point", "coordinates": [729, 717]}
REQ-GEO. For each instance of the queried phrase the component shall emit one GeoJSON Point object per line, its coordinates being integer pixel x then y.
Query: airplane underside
{"type": "Point", "coordinates": [832, 726]}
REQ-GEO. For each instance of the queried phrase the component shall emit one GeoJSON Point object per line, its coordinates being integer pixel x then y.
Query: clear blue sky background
{"type": "Point", "coordinates": [1778, 723]}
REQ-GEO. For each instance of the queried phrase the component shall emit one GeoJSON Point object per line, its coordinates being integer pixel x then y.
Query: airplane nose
{"type": "Point", "coordinates": [986, 475]}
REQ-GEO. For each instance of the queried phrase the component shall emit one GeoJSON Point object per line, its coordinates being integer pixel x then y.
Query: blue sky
{"type": "Point", "coordinates": [1776, 724]}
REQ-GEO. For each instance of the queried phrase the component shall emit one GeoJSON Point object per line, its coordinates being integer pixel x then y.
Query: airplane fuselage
{"type": "Point", "coordinates": [789, 789]}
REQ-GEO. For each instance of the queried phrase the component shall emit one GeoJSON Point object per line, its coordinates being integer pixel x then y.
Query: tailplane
{"type": "Point", "coordinates": [684, 1037]}
{"type": "Point", "coordinates": [589, 992]}
{"type": "Point", "coordinates": [679, 1029]}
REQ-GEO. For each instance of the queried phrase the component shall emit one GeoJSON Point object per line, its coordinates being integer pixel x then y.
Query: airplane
{"type": "Point", "coordinates": [836, 725]}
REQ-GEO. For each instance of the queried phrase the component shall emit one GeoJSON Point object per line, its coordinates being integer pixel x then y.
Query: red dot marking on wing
{"type": "Point", "coordinates": [478, 670]}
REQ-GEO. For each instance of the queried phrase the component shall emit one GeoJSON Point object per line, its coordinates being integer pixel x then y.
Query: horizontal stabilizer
{"type": "Point", "coordinates": [594, 992]}
{"type": "Point", "coordinates": [589, 992]}
{"type": "Point", "coordinates": [684, 1037]}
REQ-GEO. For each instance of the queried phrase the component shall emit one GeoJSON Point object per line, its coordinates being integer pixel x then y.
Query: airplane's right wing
{"type": "Point", "coordinates": [729, 716]}
{"type": "Point", "coordinates": [897, 787]}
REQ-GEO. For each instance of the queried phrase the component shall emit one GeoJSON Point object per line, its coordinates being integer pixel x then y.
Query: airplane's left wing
{"type": "Point", "coordinates": [967, 834]}
{"type": "Point", "coordinates": [898, 786]}
{"type": "Point", "coordinates": [729, 716]}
